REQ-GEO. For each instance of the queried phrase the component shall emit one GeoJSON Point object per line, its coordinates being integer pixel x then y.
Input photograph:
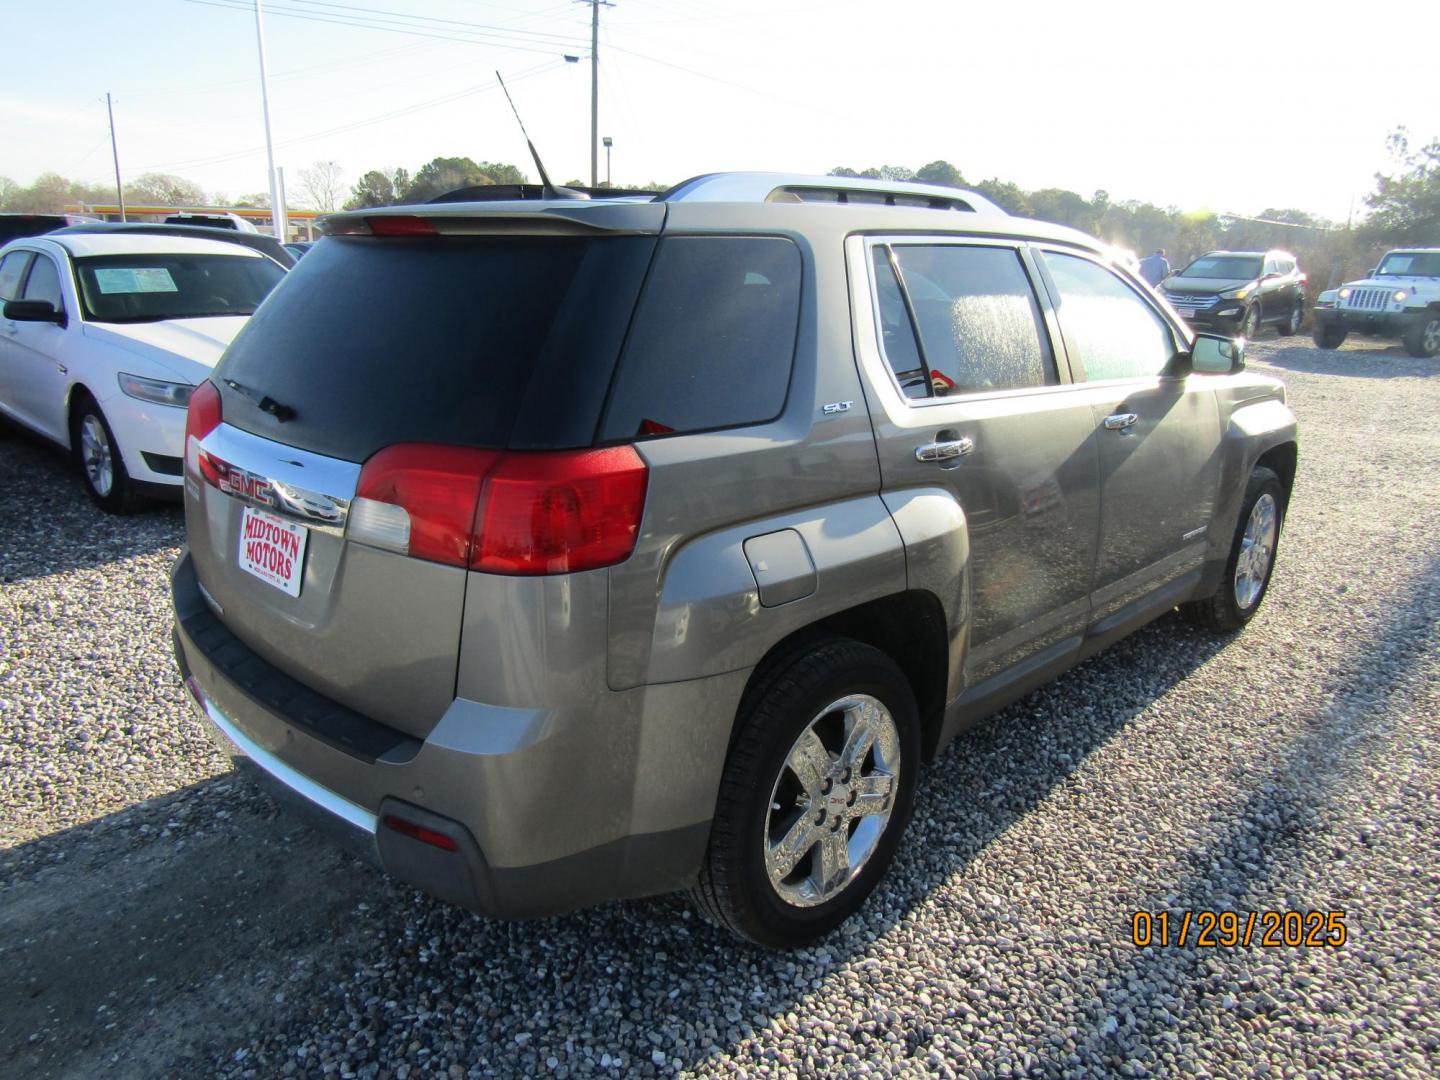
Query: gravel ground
{"type": "Point", "coordinates": [160, 918]}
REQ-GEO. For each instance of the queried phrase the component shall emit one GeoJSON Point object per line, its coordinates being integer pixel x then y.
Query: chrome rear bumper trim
{"type": "Point", "coordinates": [301, 785]}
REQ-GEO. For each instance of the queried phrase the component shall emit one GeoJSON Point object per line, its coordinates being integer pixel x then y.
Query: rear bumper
{"type": "Point", "coordinates": [473, 781]}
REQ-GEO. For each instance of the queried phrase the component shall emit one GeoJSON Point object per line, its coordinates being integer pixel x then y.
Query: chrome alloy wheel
{"type": "Point", "coordinates": [1257, 547]}
{"type": "Point", "coordinates": [832, 800]}
{"type": "Point", "coordinates": [95, 455]}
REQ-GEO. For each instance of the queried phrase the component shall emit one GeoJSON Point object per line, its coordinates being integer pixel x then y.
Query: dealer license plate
{"type": "Point", "coordinates": [1185, 312]}
{"type": "Point", "coordinates": [272, 549]}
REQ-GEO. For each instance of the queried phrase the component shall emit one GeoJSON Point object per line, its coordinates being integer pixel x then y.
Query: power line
{"type": "Point", "coordinates": [309, 15]}
{"type": "Point", "coordinates": [418, 106]}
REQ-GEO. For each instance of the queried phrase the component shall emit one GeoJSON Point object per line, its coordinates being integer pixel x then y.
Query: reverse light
{"type": "Point", "coordinates": [518, 512]}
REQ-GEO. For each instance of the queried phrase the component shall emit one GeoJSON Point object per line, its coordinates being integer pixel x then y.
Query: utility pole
{"type": "Point", "coordinates": [115, 153]}
{"type": "Point", "coordinates": [277, 212]}
{"type": "Point", "coordinates": [594, 92]}
{"type": "Point", "coordinates": [595, 88]}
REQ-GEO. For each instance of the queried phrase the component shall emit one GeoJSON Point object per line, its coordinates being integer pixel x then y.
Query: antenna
{"type": "Point", "coordinates": [550, 190]}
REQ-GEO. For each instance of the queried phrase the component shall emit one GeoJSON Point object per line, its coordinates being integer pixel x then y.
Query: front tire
{"type": "Point", "coordinates": [1329, 337]}
{"type": "Point", "coordinates": [1250, 323]}
{"type": "Point", "coordinates": [1252, 557]}
{"type": "Point", "coordinates": [97, 455]}
{"type": "Point", "coordinates": [1423, 339]}
{"type": "Point", "coordinates": [815, 795]}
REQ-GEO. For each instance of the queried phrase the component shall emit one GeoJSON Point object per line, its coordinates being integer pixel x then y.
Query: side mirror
{"type": "Point", "coordinates": [1213, 355]}
{"type": "Point", "coordinates": [33, 311]}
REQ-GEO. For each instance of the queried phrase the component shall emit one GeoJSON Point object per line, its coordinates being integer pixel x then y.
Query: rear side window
{"type": "Point", "coordinates": [488, 341]}
{"type": "Point", "coordinates": [976, 316]}
{"type": "Point", "coordinates": [713, 339]}
{"type": "Point", "coordinates": [12, 268]}
{"type": "Point", "coordinates": [1114, 333]}
{"type": "Point", "coordinates": [44, 283]}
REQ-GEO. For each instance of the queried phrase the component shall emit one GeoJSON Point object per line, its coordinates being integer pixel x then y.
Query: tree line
{"type": "Point", "coordinates": [1404, 208]}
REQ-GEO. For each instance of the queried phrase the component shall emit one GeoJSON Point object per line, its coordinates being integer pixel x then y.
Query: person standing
{"type": "Point", "coordinates": [1155, 268]}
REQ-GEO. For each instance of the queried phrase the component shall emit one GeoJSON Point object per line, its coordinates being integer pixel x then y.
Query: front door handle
{"type": "Point", "coordinates": [944, 451]}
{"type": "Point", "coordinates": [1120, 421]}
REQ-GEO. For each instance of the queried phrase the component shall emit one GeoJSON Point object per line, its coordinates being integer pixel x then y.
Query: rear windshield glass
{"type": "Point", "coordinates": [493, 342]}
{"type": "Point", "coordinates": [149, 288]}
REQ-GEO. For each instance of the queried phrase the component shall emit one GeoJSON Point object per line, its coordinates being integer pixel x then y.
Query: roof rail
{"type": "Point", "coordinates": [795, 187]}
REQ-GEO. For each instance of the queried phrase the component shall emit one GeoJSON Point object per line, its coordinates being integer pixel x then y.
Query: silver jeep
{"type": "Point", "coordinates": [558, 551]}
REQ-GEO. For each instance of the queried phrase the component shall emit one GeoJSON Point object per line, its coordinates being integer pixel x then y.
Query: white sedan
{"type": "Point", "coordinates": [104, 335]}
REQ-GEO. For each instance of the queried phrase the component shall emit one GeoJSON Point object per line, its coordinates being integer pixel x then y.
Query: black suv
{"type": "Point", "coordinates": [1237, 292]}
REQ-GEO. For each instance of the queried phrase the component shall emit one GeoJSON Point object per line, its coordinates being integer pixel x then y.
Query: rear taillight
{"type": "Point", "coordinates": [541, 512]}
{"type": "Point", "coordinates": [202, 416]}
{"type": "Point", "coordinates": [424, 500]}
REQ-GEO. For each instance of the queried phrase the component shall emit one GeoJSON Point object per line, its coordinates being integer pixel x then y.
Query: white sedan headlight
{"type": "Point", "coordinates": [154, 390]}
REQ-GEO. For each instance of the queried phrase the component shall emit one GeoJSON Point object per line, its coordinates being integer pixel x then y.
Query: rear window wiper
{"type": "Point", "coordinates": [266, 404]}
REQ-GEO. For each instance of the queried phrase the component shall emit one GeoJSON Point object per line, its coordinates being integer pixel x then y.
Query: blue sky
{"type": "Point", "coordinates": [1232, 108]}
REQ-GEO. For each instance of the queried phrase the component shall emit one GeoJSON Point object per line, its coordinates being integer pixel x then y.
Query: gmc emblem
{"type": "Point", "coordinates": [246, 485]}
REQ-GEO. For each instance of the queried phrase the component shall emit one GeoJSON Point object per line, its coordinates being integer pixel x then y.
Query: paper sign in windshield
{"type": "Point", "coordinates": [140, 279]}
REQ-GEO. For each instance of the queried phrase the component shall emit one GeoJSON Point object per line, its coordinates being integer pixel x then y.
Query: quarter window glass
{"type": "Point", "coordinates": [977, 318]}
{"type": "Point", "coordinates": [1115, 334]}
{"type": "Point", "coordinates": [713, 338]}
{"type": "Point", "coordinates": [44, 283]}
{"type": "Point", "coordinates": [12, 268]}
{"type": "Point", "coordinates": [896, 334]}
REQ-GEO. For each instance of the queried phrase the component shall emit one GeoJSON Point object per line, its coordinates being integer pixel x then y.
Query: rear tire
{"type": "Point", "coordinates": [1329, 337]}
{"type": "Point", "coordinates": [1291, 326]}
{"type": "Point", "coordinates": [97, 455]}
{"type": "Point", "coordinates": [1423, 339]}
{"type": "Point", "coordinates": [1252, 557]}
{"type": "Point", "coordinates": [802, 834]}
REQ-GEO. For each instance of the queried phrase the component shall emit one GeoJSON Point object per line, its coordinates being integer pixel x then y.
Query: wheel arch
{"type": "Point", "coordinates": [1282, 459]}
{"type": "Point", "coordinates": [910, 627]}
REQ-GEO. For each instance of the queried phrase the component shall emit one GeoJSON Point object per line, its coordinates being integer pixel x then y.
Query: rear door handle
{"type": "Point", "coordinates": [1120, 421]}
{"type": "Point", "coordinates": [944, 451]}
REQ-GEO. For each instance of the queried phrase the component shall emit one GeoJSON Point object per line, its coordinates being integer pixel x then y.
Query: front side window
{"type": "Point", "coordinates": [149, 288]}
{"type": "Point", "coordinates": [975, 316]}
{"type": "Point", "coordinates": [12, 269]}
{"type": "Point", "coordinates": [1107, 327]}
{"type": "Point", "coordinates": [44, 283]}
{"type": "Point", "coordinates": [713, 339]}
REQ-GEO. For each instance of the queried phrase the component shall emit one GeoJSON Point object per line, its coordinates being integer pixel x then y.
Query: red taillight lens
{"type": "Point", "coordinates": [419, 832]}
{"type": "Point", "coordinates": [544, 512]}
{"type": "Point", "coordinates": [559, 512]}
{"type": "Point", "coordinates": [401, 226]}
{"type": "Point", "coordinates": [202, 416]}
{"type": "Point", "coordinates": [437, 486]}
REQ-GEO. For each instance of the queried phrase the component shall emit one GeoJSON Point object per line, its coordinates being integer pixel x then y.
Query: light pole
{"type": "Point", "coordinates": [277, 211]}
{"type": "Point", "coordinates": [609, 142]}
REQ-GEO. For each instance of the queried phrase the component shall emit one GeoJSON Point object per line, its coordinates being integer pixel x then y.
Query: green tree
{"type": "Point", "coordinates": [1405, 205]}
{"type": "Point", "coordinates": [378, 187]}
{"type": "Point", "coordinates": [443, 174]}
{"type": "Point", "coordinates": [1005, 195]}
{"type": "Point", "coordinates": [163, 189]}
{"type": "Point", "coordinates": [940, 172]}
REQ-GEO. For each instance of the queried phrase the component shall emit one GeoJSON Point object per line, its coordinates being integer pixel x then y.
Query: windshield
{"type": "Point", "coordinates": [1412, 263]}
{"type": "Point", "coordinates": [151, 288]}
{"type": "Point", "coordinates": [1227, 267]}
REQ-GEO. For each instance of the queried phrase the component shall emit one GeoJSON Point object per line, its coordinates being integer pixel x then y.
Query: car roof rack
{"type": "Point", "coordinates": [796, 187]}
{"type": "Point", "coordinates": [511, 192]}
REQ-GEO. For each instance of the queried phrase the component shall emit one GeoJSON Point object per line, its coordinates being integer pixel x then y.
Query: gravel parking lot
{"type": "Point", "coordinates": [160, 918]}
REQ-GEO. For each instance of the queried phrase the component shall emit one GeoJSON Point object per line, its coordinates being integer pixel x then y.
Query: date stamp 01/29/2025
{"type": "Point", "coordinates": [1227, 929]}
